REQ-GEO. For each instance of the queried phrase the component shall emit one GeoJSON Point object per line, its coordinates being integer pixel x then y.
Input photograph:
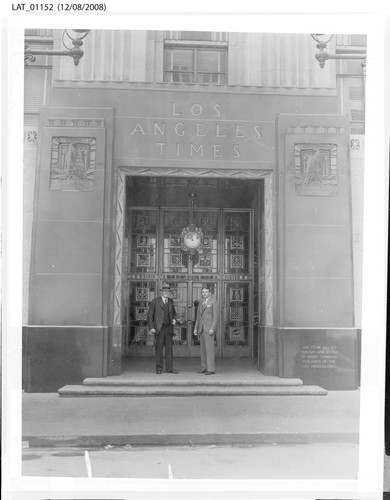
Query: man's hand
{"type": "Point", "coordinates": [153, 331]}
{"type": "Point", "coordinates": [211, 332]}
{"type": "Point", "coordinates": [173, 322]}
{"type": "Point", "coordinates": [195, 332]}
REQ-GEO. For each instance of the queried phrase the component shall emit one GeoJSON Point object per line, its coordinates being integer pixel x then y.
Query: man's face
{"type": "Point", "coordinates": [205, 293]}
{"type": "Point", "coordinates": [166, 293]}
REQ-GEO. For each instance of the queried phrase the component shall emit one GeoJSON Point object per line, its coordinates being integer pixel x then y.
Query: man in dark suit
{"type": "Point", "coordinates": [205, 326]}
{"type": "Point", "coordinates": [161, 319]}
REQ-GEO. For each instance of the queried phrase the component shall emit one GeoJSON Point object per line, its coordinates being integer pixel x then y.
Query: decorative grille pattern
{"type": "Point", "coordinates": [143, 222]}
{"type": "Point", "coordinates": [142, 294]}
{"type": "Point", "coordinates": [236, 261]}
{"type": "Point", "coordinates": [141, 333]}
{"type": "Point", "coordinates": [236, 314]}
{"type": "Point", "coordinates": [236, 321]}
{"type": "Point", "coordinates": [142, 241]}
{"type": "Point", "coordinates": [175, 260]}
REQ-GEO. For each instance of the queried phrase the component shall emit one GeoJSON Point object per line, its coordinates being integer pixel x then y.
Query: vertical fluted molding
{"type": "Point", "coordinates": [138, 56]}
{"type": "Point", "coordinates": [255, 59]}
{"type": "Point", "coordinates": [235, 41]}
{"type": "Point", "coordinates": [125, 56]}
{"type": "Point", "coordinates": [270, 63]}
{"type": "Point", "coordinates": [343, 39]}
{"type": "Point", "coordinates": [285, 61]}
{"type": "Point", "coordinates": [100, 56]}
{"type": "Point", "coordinates": [282, 60]}
{"type": "Point", "coordinates": [290, 59]}
{"type": "Point", "coordinates": [158, 62]}
{"type": "Point", "coordinates": [111, 52]}
{"type": "Point", "coordinates": [304, 63]}
{"type": "Point", "coordinates": [88, 60]}
{"type": "Point", "coordinates": [109, 56]}
{"type": "Point", "coordinates": [119, 56]}
{"type": "Point", "coordinates": [150, 56]}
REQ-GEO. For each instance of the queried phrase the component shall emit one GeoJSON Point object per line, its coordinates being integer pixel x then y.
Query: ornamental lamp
{"type": "Point", "coordinates": [323, 55]}
{"type": "Point", "coordinates": [75, 36]}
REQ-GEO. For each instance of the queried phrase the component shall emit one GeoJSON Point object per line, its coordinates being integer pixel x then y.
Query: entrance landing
{"type": "Point", "coordinates": [233, 377]}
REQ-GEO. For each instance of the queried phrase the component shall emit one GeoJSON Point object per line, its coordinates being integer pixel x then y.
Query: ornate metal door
{"type": "Point", "coordinates": [187, 273]}
{"type": "Point", "coordinates": [156, 255]}
{"type": "Point", "coordinates": [237, 307]}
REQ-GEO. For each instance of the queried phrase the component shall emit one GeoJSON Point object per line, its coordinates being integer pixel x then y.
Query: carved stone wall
{"type": "Point", "coordinates": [68, 258]}
{"type": "Point", "coordinates": [315, 224]}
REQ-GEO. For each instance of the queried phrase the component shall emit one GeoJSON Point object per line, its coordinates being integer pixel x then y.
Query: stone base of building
{"type": "Point", "coordinates": [55, 356]}
{"type": "Point", "coordinates": [58, 355]}
{"type": "Point", "coordinates": [319, 356]}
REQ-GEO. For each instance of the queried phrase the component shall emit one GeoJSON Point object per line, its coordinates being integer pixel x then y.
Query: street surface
{"type": "Point", "coordinates": [295, 461]}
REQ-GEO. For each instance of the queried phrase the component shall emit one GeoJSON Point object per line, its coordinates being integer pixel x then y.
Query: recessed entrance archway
{"type": "Point", "coordinates": [152, 207]}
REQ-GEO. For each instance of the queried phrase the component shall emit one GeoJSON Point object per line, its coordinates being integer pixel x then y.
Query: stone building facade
{"type": "Point", "coordinates": [240, 135]}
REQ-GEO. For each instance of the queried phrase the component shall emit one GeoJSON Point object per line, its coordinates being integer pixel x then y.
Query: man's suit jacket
{"type": "Point", "coordinates": [156, 314]}
{"type": "Point", "coordinates": [207, 317]}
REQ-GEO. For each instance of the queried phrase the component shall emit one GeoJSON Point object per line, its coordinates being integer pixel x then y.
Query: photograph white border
{"type": "Point", "coordinates": [369, 483]}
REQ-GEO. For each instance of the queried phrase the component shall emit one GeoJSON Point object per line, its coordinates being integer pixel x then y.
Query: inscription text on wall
{"type": "Point", "coordinates": [319, 356]}
{"type": "Point", "coordinates": [196, 131]}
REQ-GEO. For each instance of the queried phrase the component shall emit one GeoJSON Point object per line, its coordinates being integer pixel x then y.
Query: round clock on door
{"type": "Point", "coordinates": [191, 238]}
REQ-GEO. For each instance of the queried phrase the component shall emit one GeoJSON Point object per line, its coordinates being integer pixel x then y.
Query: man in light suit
{"type": "Point", "coordinates": [161, 319]}
{"type": "Point", "coordinates": [205, 326]}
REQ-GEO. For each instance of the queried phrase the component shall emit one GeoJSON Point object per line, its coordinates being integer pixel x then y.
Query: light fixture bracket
{"type": "Point", "coordinates": [75, 52]}
{"type": "Point", "coordinates": [322, 55]}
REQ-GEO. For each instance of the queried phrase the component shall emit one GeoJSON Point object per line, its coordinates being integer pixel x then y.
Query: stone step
{"type": "Point", "coordinates": [179, 381]}
{"type": "Point", "coordinates": [193, 390]}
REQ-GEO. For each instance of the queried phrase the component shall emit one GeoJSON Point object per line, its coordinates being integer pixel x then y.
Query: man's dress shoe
{"type": "Point", "coordinates": [172, 371]}
{"type": "Point", "coordinates": [158, 371]}
{"type": "Point", "coordinates": [202, 371]}
{"type": "Point", "coordinates": [209, 373]}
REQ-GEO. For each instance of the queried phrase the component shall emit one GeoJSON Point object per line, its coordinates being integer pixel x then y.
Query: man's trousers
{"type": "Point", "coordinates": [164, 339]}
{"type": "Point", "coordinates": [207, 351]}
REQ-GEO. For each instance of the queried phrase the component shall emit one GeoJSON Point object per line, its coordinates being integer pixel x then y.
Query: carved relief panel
{"type": "Point", "coordinates": [73, 163]}
{"type": "Point", "coordinates": [316, 169]}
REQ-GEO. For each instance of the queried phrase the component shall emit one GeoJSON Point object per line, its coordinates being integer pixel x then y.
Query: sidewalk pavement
{"type": "Point", "coordinates": [49, 420]}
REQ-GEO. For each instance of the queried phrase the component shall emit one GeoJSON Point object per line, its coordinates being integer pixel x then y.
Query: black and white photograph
{"type": "Point", "coordinates": [200, 229]}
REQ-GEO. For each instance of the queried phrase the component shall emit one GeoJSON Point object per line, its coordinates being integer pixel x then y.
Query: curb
{"type": "Point", "coordinates": [189, 439]}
